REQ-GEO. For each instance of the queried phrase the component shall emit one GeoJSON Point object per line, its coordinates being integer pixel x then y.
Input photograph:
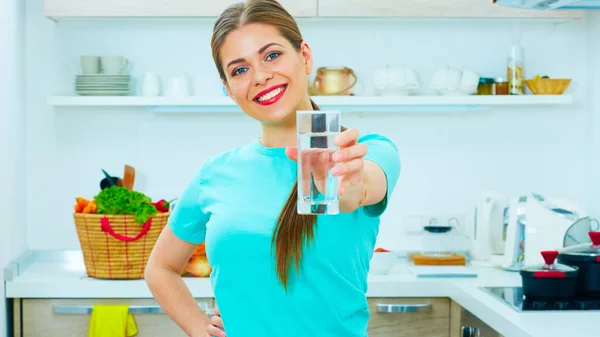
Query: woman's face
{"type": "Point", "coordinates": [266, 76]}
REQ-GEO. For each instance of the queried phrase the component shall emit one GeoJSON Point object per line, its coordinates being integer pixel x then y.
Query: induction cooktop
{"type": "Point", "coordinates": [513, 296]}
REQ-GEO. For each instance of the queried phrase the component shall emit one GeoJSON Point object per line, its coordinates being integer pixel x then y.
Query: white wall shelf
{"type": "Point", "coordinates": [200, 104]}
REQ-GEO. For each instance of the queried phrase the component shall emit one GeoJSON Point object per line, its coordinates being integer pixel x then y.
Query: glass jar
{"type": "Point", "coordinates": [437, 241]}
{"type": "Point", "coordinates": [501, 86]}
{"type": "Point", "coordinates": [486, 86]}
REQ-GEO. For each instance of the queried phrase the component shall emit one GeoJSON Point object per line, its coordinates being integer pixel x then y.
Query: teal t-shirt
{"type": "Point", "coordinates": [233, 204]}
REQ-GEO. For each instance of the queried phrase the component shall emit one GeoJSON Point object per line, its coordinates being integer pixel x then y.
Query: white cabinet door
{"type": "Point", "coordinates": [159, 8]}
{"type": "Point", "coordinates": [68, 318]}
{"type": "Point", "coordinates": [432, 8]}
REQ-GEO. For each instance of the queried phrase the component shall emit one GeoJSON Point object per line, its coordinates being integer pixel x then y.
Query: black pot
{"type": "Point", "coordinates": [587, 258]}
{"type": "Point", "coordinates": [550, 280]}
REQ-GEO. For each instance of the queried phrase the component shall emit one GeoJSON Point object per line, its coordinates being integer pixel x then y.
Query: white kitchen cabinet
{"type": "Point", "coordinates": [159, 8]}
{"type": "Point", "coordinates": [432, 8]}
{"type": "Point", "coordinates": [408, 317]}
{"type": "Point", "coordinates": [68, 318]}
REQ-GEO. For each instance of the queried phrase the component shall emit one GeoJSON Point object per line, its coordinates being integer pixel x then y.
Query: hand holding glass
{"type": "Point", "coordinates": [317, 186]}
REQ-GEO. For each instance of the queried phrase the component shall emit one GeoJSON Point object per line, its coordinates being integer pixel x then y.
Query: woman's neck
{"type": "Point", "coordinates": [284, 133]}
{"type": "Point", "coordinates": [278, 135]}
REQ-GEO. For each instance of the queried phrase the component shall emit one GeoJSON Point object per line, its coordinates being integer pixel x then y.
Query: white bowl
{"type": "Point", "coordinates": [382, 262]}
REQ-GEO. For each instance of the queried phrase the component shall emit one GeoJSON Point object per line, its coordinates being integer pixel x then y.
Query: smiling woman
{"type": "Point", "coordinates": [274, 272]}
{"type": "Point", "coordinates": [263, 47]}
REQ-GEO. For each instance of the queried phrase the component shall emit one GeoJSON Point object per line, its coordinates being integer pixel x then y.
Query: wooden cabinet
{"type": "Point", "coordinates": [397, 317]}
{"type": "Point", "coordinates": [432, 8]}
{"type": "Point", "coordinates": [412, 316]}
{"type": "Point", "coordinates": [71, 318]}
{"type": "Point", "coordinates": [461, 318]}
{"type": "Point", "coordinates": [159, 8]}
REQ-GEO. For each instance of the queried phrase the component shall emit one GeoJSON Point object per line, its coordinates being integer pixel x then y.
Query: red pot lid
{"type": "Point", "coordinates": [550, 269]}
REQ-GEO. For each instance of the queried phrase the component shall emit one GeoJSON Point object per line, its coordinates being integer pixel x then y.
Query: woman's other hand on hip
{"type": "Point", "coordinates": [215, 328]}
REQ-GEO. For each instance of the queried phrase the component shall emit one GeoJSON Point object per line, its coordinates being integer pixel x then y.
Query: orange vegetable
{"type": "Point", "coordinates": [198, 266]}
{"type": "Point", "coordinates": [200, 250]}
{"type": "Point", "coordinates": [91, 208]}
{"type": "Point", "coordinates": [84, 205]}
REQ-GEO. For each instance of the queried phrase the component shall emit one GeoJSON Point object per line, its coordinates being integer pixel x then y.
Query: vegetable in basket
{"type": "Point", "coordinates": [120, 200]}
{"type": "Point", "coordinates": [84, 205]}
{"type": "Point", "coordinates": [162, 206]}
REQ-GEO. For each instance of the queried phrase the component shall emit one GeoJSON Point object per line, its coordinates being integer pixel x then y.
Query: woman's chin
{"type": "Point", "coordinates": [273, 114]}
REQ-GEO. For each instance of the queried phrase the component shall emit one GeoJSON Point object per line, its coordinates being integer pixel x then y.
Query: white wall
{"type": "Point", "coordinates": [594, 93]}
{"type": "Point", "coordinates": [449, 157]}
{"type": "Point", "coordinates": [13, 188]}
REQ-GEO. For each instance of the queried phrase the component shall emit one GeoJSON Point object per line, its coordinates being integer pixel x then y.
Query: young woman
{"type": "Point", "coordinates": [275, 272]}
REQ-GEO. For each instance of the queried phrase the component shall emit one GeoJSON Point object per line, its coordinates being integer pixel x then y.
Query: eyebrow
{"type": "Point", "coordinates": [260, 51]}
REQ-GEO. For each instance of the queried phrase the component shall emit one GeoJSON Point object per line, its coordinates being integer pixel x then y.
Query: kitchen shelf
{"type": "Point", "coordinates": [224, 104]}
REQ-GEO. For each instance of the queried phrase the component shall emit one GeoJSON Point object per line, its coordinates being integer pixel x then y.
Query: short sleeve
{"type": "Point", "coordinates": [188, 218]}
{"type": "Point", "coordinates": [383, 152]}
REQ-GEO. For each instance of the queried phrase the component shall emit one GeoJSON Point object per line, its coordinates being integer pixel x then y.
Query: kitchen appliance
{"type": "Point", "coordinates": [437, 241]}
{"type": "Point", "coordinates": [578, 232]}
{"type": "Point", "coordinates": [550, 280]}
{"type": "Point", "coordinates": [511, 232]}
{"type": "Point", "coordinates": [550, 4]}
{"type": "Point", "coordinates": [515, 298]}
{"type": "Point", "coordinates": [586, 257]}
{"type": "Point", "coordinates": [333, 81]}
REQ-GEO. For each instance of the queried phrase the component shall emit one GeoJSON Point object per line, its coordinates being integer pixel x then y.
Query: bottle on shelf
{"type": "Point", "coordinates": [514, 68]}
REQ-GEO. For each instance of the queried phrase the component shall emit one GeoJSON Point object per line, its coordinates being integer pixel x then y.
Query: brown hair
{"type": "Point", "coordinates": [292, 229]}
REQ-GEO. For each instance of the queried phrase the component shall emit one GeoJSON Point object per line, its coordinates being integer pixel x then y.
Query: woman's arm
{"type": "Point", "coordinates": [163, 276]}
{"type": "Point", "coordinates": [369, 191]}
{"type": "Point", "coordinates": [368, 169]}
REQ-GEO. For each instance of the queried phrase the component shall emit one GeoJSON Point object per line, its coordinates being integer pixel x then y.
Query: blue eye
{"type": "Point", "coordinates": [239, 71]}
{"type": "Point", "coordinates": [272, 56]}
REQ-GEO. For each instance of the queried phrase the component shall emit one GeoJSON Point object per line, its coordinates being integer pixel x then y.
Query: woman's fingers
{"type": "Point", "coordinates": [215, 328]}
{"type": "Point", "coordinates": [348, 168]}
{"type": "Point", "coordinates": [349, 153]}
{"type": "Point", "coordinates": [214, 331]}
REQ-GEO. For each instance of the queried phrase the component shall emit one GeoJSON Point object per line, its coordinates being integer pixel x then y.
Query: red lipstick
{"type": "Point", "coordinates": [273, 99]}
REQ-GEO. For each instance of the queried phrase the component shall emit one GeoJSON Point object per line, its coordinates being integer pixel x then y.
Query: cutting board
{"type": "Point", "coordinates": [443, 271]}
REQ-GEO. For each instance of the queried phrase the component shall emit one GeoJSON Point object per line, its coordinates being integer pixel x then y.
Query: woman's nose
{"type": "Point", "coordinates": [261, 76]}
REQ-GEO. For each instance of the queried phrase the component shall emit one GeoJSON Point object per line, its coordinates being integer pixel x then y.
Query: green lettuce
{"type": "Point", "coordinates": [117, 200]}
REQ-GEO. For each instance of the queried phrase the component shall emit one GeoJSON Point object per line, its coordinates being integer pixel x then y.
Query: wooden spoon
{"type": "Point", "coordinates": [129, 177]}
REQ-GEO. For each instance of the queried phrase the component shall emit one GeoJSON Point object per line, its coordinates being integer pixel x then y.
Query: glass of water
{"type": "Point", "coordinates": [317, 187]}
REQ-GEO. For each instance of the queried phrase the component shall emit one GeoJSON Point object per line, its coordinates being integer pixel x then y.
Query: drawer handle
{"type": "Point", "coordinates": [388, 308]}
{"type": "Point", "coordinates": [133, 309]}
{"type": "Point", "coordinates": [469, 331]}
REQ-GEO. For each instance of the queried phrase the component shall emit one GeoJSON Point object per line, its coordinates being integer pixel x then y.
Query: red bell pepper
{"type": "Point", "coordinates": [162, 206]}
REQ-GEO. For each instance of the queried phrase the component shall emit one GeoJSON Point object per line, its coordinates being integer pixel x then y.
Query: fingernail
{"type": "Point", "coordinates": [336, 170]}
{"type": "Point", "coordinates": [337, 156]}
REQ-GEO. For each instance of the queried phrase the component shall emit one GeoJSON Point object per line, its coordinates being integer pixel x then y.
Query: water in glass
{"type": "Point", "coordinates": [317, 187]}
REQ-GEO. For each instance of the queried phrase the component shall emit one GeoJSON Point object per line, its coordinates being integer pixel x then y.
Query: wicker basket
{"type": "Point", "coordinates": [548, 86]}
{"type": "Point", "coordinates": [115, 246]}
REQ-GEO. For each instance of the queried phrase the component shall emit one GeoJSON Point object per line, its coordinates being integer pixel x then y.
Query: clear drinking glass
{"type": "Point", "coordinates": [317, 187]}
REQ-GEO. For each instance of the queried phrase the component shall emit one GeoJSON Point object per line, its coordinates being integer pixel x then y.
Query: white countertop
{"type": "Point", "coordinates": [43, 275]}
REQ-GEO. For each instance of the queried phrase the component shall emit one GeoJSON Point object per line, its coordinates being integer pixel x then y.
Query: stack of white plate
{"type": "Point", "coordinates": [102, 85]}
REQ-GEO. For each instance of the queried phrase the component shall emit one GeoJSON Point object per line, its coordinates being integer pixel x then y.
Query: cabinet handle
{"type": "Point", "coordinates": [388, 308]}
{"type": "Point", "coordinates": [133, 309]}
{"type": "Point", "coordinates": [470, 331]}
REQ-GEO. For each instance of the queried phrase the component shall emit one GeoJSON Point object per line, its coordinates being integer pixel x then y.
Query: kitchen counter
{"type": "Point", "coordinates": [61, 274]}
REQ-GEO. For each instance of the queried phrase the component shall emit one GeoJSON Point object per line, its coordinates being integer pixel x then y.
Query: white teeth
{"type": "Point", "coordinates": [270, 94]}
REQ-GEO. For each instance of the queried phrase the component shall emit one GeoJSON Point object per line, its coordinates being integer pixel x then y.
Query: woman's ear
{"type": "Point", "coordinates": [306, 55]}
